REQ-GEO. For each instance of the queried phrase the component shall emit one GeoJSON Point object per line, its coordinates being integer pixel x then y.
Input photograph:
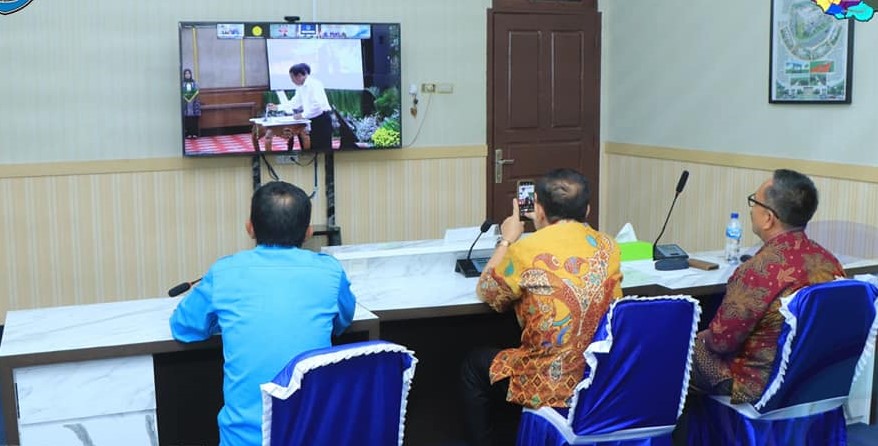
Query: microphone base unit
{"type": "Point", "coordinates": [669, 251]}
{"type": "Point", "coordinates": [670, 257]}
{"type": "Point", "coordinates": [672, 264]}
{"type": "Point", "coordinates": [470, 267]}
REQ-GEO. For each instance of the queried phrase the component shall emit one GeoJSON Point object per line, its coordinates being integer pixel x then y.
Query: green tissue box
{"type": "Point", "coordinates": [636, 251]}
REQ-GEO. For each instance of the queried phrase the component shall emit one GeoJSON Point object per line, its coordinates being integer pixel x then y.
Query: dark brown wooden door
{"type": "Point", "coordinates": [543, 100]}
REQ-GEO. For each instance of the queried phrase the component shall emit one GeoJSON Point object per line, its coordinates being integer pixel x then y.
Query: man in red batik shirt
{"type": "Point", "coordinates": [735, 355]}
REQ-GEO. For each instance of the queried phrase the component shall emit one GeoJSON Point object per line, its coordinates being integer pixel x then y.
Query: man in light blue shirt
{"type": "Point", "coordinates": [269, 304]}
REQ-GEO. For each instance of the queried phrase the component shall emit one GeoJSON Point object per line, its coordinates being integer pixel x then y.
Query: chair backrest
{"type": "Point", "coordinates": [828, 334]}
{"type": "Point", "coordinates": [638, 366]}
{"type": "Point", "coordinates": [347, 394]}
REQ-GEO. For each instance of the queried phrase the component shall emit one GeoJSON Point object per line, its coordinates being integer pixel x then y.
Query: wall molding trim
{"type": "Point", "coordinates": [867, 174]}
{"type": "Point", "coordinates": [71, 168]}
{"type": "Point", "coordinates": [419, 153]}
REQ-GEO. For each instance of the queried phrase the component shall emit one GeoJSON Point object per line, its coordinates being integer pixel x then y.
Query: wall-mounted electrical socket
{"type": "Point", "coordinates": [432, 87]}
{"type": "Point", "coordinates": [446, 88]}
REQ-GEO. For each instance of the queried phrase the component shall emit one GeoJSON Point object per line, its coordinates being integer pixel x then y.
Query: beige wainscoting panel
{"type": "Point", "coordinates": [78, 233]}
{"type": "Point", "coordinates": [95, 238]}
{"type": "Point", "coordinates": [380, 201]}
{"type": "Point", "coordinates": [640, 188]}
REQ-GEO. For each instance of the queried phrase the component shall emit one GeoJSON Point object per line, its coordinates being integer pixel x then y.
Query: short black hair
{"type": "Point", "coordinates": [300, 68]}
{"type": "Point", "coordinates": [563, 194]}
{"type": "Point", "coordinates": [280, 214]}
{"type": "Point", "coordinates": [793, 196]}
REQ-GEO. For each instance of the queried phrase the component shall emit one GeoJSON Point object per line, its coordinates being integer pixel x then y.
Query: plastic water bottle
{"type": "Point", "coordinates": [733, 239]}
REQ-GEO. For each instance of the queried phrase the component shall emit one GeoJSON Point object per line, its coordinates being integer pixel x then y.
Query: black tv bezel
{"type": "Point", "coordinates": [196, 23]}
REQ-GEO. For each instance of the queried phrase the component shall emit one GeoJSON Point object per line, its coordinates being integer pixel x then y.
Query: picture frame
{"type": "Point", "coordinates": [811, 55]}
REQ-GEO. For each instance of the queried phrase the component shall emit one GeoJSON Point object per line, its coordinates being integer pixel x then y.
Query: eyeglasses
{"type": "Point", "coordinates": [752, 201]}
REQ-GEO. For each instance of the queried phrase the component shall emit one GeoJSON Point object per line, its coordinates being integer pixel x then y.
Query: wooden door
{"type": "Point", "coordinates": [543, 98]}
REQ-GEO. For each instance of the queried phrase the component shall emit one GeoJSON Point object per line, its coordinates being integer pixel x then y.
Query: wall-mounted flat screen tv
{"type": "Point", "coordinates": [281, 87]}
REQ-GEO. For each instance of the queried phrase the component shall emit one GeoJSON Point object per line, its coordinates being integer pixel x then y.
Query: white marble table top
{"type": "Point", "coordinates": [415, 282]}
{"type": "Point", "coordinates": [109, 324]}
{"type": "Point", "coordinates": [275, 121]}
{"type": "Point", "coordinates": [420, 274]}
{"type": "Point", "coordinates": [384, 277]}
{"type": "Point", "coordinates": [415, 292]}
{"type": "Point", "coordinates": [643, 272]}
{"type": "Point", "coordinates": [415, 247]}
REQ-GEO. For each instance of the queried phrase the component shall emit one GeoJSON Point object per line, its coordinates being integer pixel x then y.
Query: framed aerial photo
{"type": "Point", "coordinates": [811, 55]}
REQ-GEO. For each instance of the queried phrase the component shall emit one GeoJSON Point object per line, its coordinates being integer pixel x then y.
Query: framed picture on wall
{"type": "Point", "coordinates": [811, 55]}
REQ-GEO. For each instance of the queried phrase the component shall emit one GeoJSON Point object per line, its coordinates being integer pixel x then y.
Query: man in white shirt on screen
{"type": "Point", "coordinates": [311, 99]}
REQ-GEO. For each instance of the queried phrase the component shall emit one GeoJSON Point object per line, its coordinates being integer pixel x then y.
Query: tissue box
{"type": "Point", "coordinates": [636, 251]}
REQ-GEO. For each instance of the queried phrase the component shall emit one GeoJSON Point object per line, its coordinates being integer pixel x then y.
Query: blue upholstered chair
{"type": "Point", "coordinates": [827, 339]}
{"type": "Point", "coordinates": [636, 381]}
{"type": "Point", "coordinates": [347, 394]}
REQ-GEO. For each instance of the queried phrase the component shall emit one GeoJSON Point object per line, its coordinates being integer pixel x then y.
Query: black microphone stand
{"type": "Point", "coordinates": [466, 266]}
{"type": "Point", "coordinates": [671, 257]}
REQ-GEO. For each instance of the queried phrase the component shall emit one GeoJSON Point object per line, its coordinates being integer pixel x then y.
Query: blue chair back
{"type": "Point", "coordinates": [346, 394]}
{"type": "Point", "coordinates": [827, 326]}
{"type": "Point", "coordinates": [828, 337]}
{"type": "Point", "coordinates": [638, 366]}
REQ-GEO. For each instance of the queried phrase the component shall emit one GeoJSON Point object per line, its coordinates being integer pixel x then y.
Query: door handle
{"type": "Point", "coordinates": [498, 165]}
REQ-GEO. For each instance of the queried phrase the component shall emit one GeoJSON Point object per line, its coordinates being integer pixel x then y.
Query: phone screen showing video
{"type": "Point", "coordinates": [525, 198]}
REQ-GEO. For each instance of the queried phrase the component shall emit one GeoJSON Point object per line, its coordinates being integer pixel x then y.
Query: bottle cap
{"type": "Point", "coordinates": [734, 215]}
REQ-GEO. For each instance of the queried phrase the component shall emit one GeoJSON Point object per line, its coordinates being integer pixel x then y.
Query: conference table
{"type": "Point", "coordinates": [416, 279]}
{"type": "Point", "coordinates": [411, 281]}
{"type": "Point", "coordinates": [95, 369]}
{"type": "Point", "coordinates": [90, 369]}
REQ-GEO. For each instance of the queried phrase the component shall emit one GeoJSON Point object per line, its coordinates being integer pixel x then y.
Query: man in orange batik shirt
{"type": "Point", "coordinates": [560, 282]}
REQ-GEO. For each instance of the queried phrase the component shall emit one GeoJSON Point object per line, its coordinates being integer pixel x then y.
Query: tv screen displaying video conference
{"type": "Point", "coordinates": [281, 87]}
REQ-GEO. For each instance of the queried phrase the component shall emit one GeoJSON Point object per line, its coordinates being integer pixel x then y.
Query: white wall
{"type": "Point", "coordinates": [99, 80]}
{"type": "Point", "coordinates": [443, 42]}
{"type": "Point", "coordinates": [695, 75]}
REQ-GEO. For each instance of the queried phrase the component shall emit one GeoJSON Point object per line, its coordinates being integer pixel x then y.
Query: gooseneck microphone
{"type": "Point", "coordinates": [482, 229]}
{"type": "Point", "coordinates": [466, 266]}
{"type": "Point", "coordinates": [681, 183]}
{"type": "Point", "coordinates": [182, 288]}
{"type": "Point", "coordinates": [671, 257]}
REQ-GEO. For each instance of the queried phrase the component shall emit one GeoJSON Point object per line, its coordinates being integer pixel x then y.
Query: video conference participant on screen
{"type": "Point", "coordinates": [560, 282]}
{"type": "Point", "coordinates": [311, 99]}
{"type": "Point", "coordinates": [269, 303]}
{"type": "Point", "coordinates": [735, 355]}
{"type": "Point", "coordinates": [191, 105]}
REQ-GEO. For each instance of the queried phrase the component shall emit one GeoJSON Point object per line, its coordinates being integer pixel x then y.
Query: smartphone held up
{"type": "Point", "coordinates": [525, 198]}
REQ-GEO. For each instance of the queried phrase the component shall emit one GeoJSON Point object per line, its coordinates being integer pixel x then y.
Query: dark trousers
{"type": "Point", "coordinates": [321, 132]}
{"type": "Point", "coordinates": [190, 124]}
{"type": "Point", "coordinates": [490, 420]}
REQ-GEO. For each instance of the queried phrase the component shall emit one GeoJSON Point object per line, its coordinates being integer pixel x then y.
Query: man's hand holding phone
{"type": "Point", "coordinates": [512, 227]}
{"type": "Point", "coordinates": [510, 231]}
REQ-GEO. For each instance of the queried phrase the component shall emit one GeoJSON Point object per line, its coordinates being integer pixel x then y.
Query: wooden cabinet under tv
{"type": "Point", "coordinates": [223, 108]}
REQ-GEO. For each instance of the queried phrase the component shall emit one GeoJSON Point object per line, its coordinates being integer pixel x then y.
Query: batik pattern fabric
{"type": "Point", "coordinates": [560, 282]}
{"type": "Point", "coordinates": [736, 353]}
